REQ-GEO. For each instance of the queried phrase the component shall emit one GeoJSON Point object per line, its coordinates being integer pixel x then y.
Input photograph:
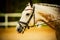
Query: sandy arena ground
{"type": "Point", "coordinates": [33, 33]}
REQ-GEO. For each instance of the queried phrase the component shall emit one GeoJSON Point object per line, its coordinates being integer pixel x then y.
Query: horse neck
{"type": "Point", "coordinates": [47, 10]}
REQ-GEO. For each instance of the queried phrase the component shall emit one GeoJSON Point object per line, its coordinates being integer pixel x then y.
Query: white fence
{"type": "Point", "coordinates": [6, 23]}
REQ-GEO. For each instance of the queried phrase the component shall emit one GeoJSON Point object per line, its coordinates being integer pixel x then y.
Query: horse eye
{"type": "Point", "coordinates": [27, 14]}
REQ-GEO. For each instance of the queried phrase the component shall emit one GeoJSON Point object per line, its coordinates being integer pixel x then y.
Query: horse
{"type": "Point", "coordinates": [47, 13]}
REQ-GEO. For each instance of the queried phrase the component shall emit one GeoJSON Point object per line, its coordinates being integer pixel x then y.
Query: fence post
{"type": "Point", "coordinates": [6, 21]}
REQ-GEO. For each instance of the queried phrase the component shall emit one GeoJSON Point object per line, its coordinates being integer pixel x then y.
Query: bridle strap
{"type": "Point", "coordinates": [22, 22]}
{"type": "Point", "coordinates": [31, 15]}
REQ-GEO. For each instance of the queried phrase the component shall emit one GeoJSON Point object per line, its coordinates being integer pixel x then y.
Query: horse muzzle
{"type": "Point", "coordinates": [20, 28]}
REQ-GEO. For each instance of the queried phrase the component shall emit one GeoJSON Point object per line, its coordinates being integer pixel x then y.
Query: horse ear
{"type": "Point", "coordinates": [31, 3]}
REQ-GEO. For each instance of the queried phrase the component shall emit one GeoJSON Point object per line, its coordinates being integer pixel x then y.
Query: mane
{"type": "Point", "coordinates": [50, 5]}
{"type": "Point", "coordinates": [49, 9]}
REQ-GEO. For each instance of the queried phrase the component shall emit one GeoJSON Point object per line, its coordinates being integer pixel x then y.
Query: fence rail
{"type": "Point", "coordinates": [6, 23]}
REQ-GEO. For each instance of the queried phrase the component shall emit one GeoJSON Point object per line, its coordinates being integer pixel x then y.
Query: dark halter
{"type": "Point", "coordinates": [27, 26]}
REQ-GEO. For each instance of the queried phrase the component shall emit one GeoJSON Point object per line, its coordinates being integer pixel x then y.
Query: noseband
{"type": "Point", "coordinates": [27, 26]}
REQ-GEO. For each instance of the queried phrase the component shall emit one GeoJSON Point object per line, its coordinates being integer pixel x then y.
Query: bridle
{"type": "Point", "coordinates": [26, 24]}
{"type": "Point", "coordinates": [22, 28]}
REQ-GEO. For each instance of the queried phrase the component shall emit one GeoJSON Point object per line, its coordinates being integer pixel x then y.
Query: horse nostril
{"type": "Point", "coordinates": [19, 30]}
